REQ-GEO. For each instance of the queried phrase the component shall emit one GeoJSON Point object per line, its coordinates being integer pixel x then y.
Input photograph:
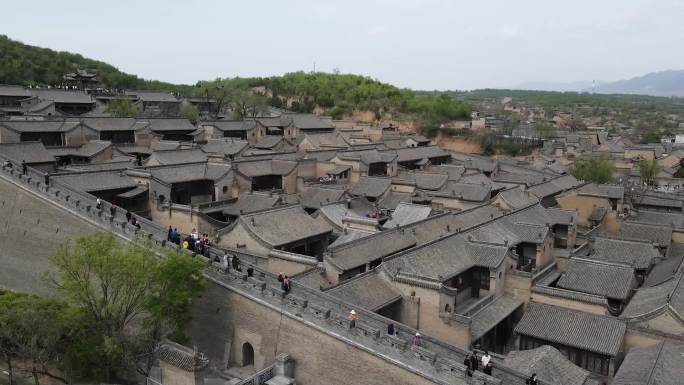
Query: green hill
{"type": "Point", "coordinates": [26, 64]}
{"type": "Point", "coordinates": [339, 95]}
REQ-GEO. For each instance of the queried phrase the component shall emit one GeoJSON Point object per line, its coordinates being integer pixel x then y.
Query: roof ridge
{"type": "Point", "coordinates": [655, 363]}
{"type": "Point", "coordinates": [601, 262]}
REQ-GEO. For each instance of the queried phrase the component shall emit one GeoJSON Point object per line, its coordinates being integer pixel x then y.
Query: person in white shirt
{"type": "Point", "coordinates": [486, 358]}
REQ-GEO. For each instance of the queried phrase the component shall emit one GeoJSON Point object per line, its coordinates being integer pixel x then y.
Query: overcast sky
{"type": "Point", "coordinates": [426, 44]}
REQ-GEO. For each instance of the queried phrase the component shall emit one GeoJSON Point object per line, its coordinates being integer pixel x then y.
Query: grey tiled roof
{"type": "Point", "coordinates": [584, 331]}
{"type": "Point", "coordinates": [369, 291]}
{"type": "Point", "coordinates": [394, 199]}
{"type": "Point", "coordinates": [549, 364]}
{"type": "Point", "coordinates": [269, 141]}
{"type": "Point", "coordinates": [651, 300]}
{"type": "Point", "coordinates": [172, 157]}
{"type": "Point", "coordinates": [153, 96]}
{"type": "Point", "coordinates": [660, 235]}
{"type": "Point", "coordinates": [315, 197]}
{"type": "Point", "coordinates": [268, 225]}
{"type": "Point", "coordinates": [310, 122]}
{"type": "Point", "coordinates": [98, 181]}
{"type": "Point", "coordinates": [551, 187]}
{"type": "Point", "coordinates": [453, 172]}
{"type": "Point", "coordinates": [490, 316]}
{"type": "Point", "coordinates": [62, 96]}
{"type": "Point", "coordinates": [605, 279]}
{"type": "Point", "coordinates": [660, 202]}
{"type": "Point", "coordinates": [164, 145]}
{"type": "Point", "coordinates": [372, 187]}
{"type": "Point", "coordinates": [476, 162]}
{"type": "Point", "coordinates": [676, 219]}
{"type": "Point", "coordinates": [407, 213]}
{"type": "Point", "coordinates": [314, 278]}
{"type": "Point", "coordinates": [422, 180]}
{"type": "Point", "coordinates": [529, 179]}
{"type": "Point", "coordinates": [114, 124]}
{"type": "Point", "coordinates": [226, 147]}
{"type": "Point", "coordinates": [170, 124]}
{"type": "Point", "coordinates": [445, 258]}
{"type": "Point", "coordinates": [248, 203]}
{"type": "Point", "coordinates": [232, 125]}
{"type": "Point", "coordinates": [370, 248]}
{"type": "Point", "coordinates": [659, 364]}
{"type": "Point", "coordinates": [602, 190]}
{"type": "Point", "coordinates": [639, 255]}
{"type": "Point", "coordinates": [40, 125]}
{"type": "Point", "coordinates": [253, 168]}
{"type": "Point", "coordinates": [31, 152]}
{"type": "Point", "coordinates": [667, 268]}
{"type": "Point", "coordinates": [412, 154]}
{"type": "Point", "coordinates": [189, 172]}
{"type": "Point", "coordinates": [516, 198]}
{"type": "Point", "coordinates": [465, 191]}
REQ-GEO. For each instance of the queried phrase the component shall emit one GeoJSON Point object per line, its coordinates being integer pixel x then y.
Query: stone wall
{"type": "Point", "coordinates": [30, 231]}
{"type": "Point", "coordinates": [307, 323]}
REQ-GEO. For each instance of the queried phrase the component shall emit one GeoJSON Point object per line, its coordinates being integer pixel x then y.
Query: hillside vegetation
{"type": "Point", "coordinates": [29, 65]}
{"type": "Point", "coordinates": [341, 95]}
{"type": "Point", "coordinates": [334, 94]}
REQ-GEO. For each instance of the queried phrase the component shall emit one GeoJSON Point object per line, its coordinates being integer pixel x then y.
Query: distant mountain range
{"type": "Point", "coordinates": [662, 83]}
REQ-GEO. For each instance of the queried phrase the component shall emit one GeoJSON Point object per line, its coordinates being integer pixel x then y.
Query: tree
{"type": "Point", "coordinates": [544, 129]}
{"type": "Point", "coordinates": [123, 300]}
{"type": "Point", "coordinates": [32, 331]}
{"type": "Point", "coordinates": [650, 136]}
{"type": "Point", "coordinates": [191, 113]}
{"type": "Point", "coordinates": [648, 170]}
{"type": "Point", "coordinates": [122, 108]}
{"type": "Point", "coordinates": [593, 170]}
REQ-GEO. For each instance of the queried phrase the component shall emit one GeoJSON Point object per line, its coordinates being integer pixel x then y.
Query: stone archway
{"type": "Point", "coordinates": [247, 354]}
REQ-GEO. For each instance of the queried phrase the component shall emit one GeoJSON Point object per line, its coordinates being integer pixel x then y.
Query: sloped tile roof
{"type": "Point", "coordinates": [549, 364]}
{"type": "Point", "coordinates": [40, 125]}
{"type": "Point", "coordinates": [170, 124]}
{"type": "Point", "coordinates": [516, 198]}
{"type": "Point", "coordinates": [372, 187]}
{"type": "Point", "coordinates": [493, 313]}
{"type": "Point", "coordinates": [602, 190]}
{"type": "Point", "coordinates": [605, 279]}
{"type": "Point", "coordinates": [584, 331]}
{"type": "Point", "coordinates": [232, 125]}
{"type": "Point", "coordinates": [98, 181]}
{"type": "Point", "coordinates": [268, 225]}
{"type": "Point", "coordinates": [113, 124]}
{"type": "Point", "coordinates": [667, 268]}
{"type": "Point", "coordinates": [407, 213]}
{"type": "Point", "coordinates": [31, 152]}
{"type": "Point", "coordinates": [660, 235]}
{"type": "Point", "coordinates": [465, 191]}
{"type": "Point", "coordinates": [445, 258]}
{"type": "Point", "coordinates": [368, 249]}
{"type": "Point", "coordinates": [659, 364]}
{"type": "Point", "coordinates": [651, 300]}
{"type": "Point", "coordinates": [173, 157]}
{"type": "Point", "coordinates": [315, 197]}
{"type": "Point", "coordinates": [368, 291]}
{"type": "Point", "coordinates": [248, 203]}
{"type": "Point", "coordinates": [639, 255]}
{"type": "Point", "coordinates": [227, 147]}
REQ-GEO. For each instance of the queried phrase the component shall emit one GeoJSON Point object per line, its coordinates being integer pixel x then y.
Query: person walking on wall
{"type": "Point", "coordinates": [352, 319]}
{"type": "Point", "coordinates": [416, 340]}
